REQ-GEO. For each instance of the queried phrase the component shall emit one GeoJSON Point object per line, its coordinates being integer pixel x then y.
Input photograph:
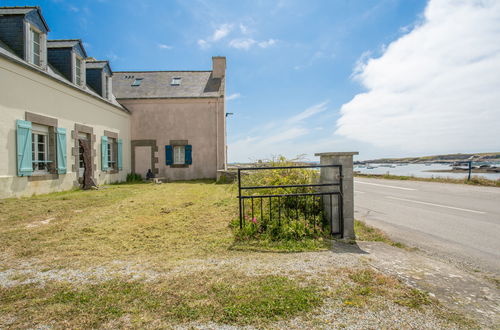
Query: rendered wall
{"type": "Point", "coordinates": [200, 121]}
{"type": "Point", "coordinates": [23, 90]}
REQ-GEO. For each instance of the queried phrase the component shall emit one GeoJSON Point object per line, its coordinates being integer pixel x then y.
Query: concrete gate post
{"type": "Point", "coordinates": [330, 175]}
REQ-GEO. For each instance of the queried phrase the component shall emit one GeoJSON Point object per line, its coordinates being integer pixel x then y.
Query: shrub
{"type": "Point", "coordinates": [134, 177]}
{"type": "Point", "coordinates": [284, 218]}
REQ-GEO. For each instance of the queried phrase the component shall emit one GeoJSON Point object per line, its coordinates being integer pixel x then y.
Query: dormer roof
{"type": "Point", "coordinates": [66, 43]}
{"type": "Point", "coordinates": [23, 11]}
{"type": "Point", "coordinates": [92, 64]}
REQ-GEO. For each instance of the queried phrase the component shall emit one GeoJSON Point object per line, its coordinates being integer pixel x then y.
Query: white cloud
{"type": "Point", "coordinates": [203, 44]}
{"type": "Point", "coordinates": [435, 89]}
{"type": "Point", "coordinates": [267, 43]}
{"type": "Point", "coordinates": [242, 43]}
{"type": "Point", "coordinates": [163, 46]}
{"type": "Point", "coordinates": [233, 96]}
{"type": "Point", "coordinates": [244, 29]}
{"type": "Point", "coordinates": [221, 32]}
{"type": "Point", "coordinates": [278, 137]}
{"type": "Point", "coordinates": [311, 111]}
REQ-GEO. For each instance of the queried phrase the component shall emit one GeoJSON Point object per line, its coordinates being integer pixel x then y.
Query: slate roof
{"type": "Point", "coordinates": [157, 84]}
{"type": "Point", "coordinates": [96, 64]}
{"type": "Point", "coordinates": [52, 73]}
{"type": "Point", "coordinates": [23, 11]}
{"type": "Point", "coordinates": [66, 43]}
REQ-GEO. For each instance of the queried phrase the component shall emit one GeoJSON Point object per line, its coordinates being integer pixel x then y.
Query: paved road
{"type": "Point", "coordinates": [459, 222]}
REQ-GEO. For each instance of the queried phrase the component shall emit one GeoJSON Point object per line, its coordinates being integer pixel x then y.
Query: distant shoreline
{"type": "Point", "coordinates": [490, 157]}
{"type": "Point", "coordinates": [465, 170]}
{"type": "Point", "coordinates": [475, 180]}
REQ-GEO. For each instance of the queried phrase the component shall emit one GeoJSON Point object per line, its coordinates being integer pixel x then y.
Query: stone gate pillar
{"type": "Point", "coordinates": [331, 174]}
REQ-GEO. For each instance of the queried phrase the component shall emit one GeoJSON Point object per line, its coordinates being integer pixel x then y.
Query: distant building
{"type": "Point", "coordinates": [66, 116]}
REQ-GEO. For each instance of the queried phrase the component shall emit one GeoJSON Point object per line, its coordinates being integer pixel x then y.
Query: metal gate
{"type": "Point", "coordinates": [285, 201]}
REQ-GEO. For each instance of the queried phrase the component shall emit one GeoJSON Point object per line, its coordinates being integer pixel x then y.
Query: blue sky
{"type": "Point", "coordinates": [297, 71]}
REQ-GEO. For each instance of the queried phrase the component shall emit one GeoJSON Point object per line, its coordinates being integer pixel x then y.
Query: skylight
{"type": "Point", "coordinates": [176, 81]}
{"type": "Point", "coordinates": [137, 82]}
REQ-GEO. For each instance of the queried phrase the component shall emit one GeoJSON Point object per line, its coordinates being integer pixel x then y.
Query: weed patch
{"type": "Point", "coordinates": [368, 233]}
{"type": "Point", "coordinates": [237, 300]}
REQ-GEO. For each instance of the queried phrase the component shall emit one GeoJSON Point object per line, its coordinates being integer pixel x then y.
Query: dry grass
{"type": "Point", "coordinates": [159, 229]}
{"type": "Point", "coordinates": [143, 222]}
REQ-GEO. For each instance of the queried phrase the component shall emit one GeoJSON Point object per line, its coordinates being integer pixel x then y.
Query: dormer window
{"type": "Point", "coordinates": [35, 53]}
{"type": "Point", "coordinates": [176, 81]}
{"type": "Point", "coordinates": [137, 82]}
{"type": "Point", "coordinates": [78, 70]}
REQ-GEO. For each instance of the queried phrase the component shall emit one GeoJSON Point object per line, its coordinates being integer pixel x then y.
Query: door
{"type": "Point", "coordinates": [142, 160]}
{"type": "Point", "coordinates": [83, 137]}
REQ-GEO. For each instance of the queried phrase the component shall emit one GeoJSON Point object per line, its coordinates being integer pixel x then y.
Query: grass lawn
{"type": "Point", "coordinates": [145, 255]}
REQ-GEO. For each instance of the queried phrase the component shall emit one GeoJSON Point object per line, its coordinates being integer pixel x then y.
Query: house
{"type": "Point", "coordinates": [69, 119]}
{"type": "Point", "coordinates": [177, 120]}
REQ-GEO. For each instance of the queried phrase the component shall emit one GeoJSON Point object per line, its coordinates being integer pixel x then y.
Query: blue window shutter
{"type": "Point", "coordinates": [120, 154]}
{"type": "Point", "coordinates": [104, 153]}
{"type": "Point", "coordinates": [169, 155]}
{"type": "Point", "coordinates": [24, 148]}
{"type": "Point", "coordinates": [61, 151]}
{"type": "Point", "coordinates": [188, 149]}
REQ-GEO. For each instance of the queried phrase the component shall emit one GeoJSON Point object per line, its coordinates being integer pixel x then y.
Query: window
{"type": "Point", "coordinates": [176, 81]}
{"type": "Point", "coordinates": [137, 82]}
{"type": "Point", "coordinates": [78, 71]}
{"type": "Point", "coordinates": [40, 149]}
{"type": "Point", "coordinates": [35, 47]}
{"type": "Point", "coordinates": [179, 155]}
{"type": "Point", "coordinates": [111, 154]}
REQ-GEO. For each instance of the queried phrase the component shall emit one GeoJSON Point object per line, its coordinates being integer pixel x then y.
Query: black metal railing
{"type": "Point", "coordinates": [293, 202]}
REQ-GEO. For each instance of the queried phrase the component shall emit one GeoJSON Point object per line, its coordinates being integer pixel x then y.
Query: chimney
{"type": "Point", "coordinates": [218, 66]}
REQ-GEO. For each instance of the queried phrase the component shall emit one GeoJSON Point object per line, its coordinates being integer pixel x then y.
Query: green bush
{"type": "Point", "coordinates": [134, 177]}
{"type": "Point", "coordinates": [284, 218]}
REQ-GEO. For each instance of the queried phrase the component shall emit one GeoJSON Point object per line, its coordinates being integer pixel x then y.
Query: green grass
{"type": "Point", "coordinates": [257, 245]}
{"type": "Point", "coordinates": [167, 229]}
{"type": "Point", "coordinates": [242, 300]}
{"type": "Point", "coordinates": [475, 180]}
{"type": "Point", "coordinates": [365, 232]}
{"type": "Point", "coordinates": [365, 286]}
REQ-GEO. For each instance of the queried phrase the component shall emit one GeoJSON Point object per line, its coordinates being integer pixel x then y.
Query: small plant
{"type": "Point", "coordinates": [285, 218]}
{"type": "Point", "coordinates": [134, 178]}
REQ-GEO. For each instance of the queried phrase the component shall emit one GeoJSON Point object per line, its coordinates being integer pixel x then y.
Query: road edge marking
{"type": "Point", "coordinates": [433, 204]}
{"type": "Point", "coordinates": [384, 185]}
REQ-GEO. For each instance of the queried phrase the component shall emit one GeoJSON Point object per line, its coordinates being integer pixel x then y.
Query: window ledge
{"type": "Point", "coordinates": [43, 177]}
{"type": "Point", "coordinates": [179, 165]}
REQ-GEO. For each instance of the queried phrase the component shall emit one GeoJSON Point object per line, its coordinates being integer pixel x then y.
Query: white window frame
{"type": "Point", "coordinates": [111, 154]}
{"type": "Point", "coordinates": [40, 130]}
{"type": "Point", "coordinates": [78, 76]}
{"type": "Point", "coordinates": [179, 155]}
{"type": "Point", "coordinates": [31, 46]}
{"type": "Point", "coordinates": [176, 81]}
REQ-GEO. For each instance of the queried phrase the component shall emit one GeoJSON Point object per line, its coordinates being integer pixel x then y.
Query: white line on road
{"type": "Point", "coordinates": [438, 205]}
{"type": "Point", "coordinates": [383, 185]}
